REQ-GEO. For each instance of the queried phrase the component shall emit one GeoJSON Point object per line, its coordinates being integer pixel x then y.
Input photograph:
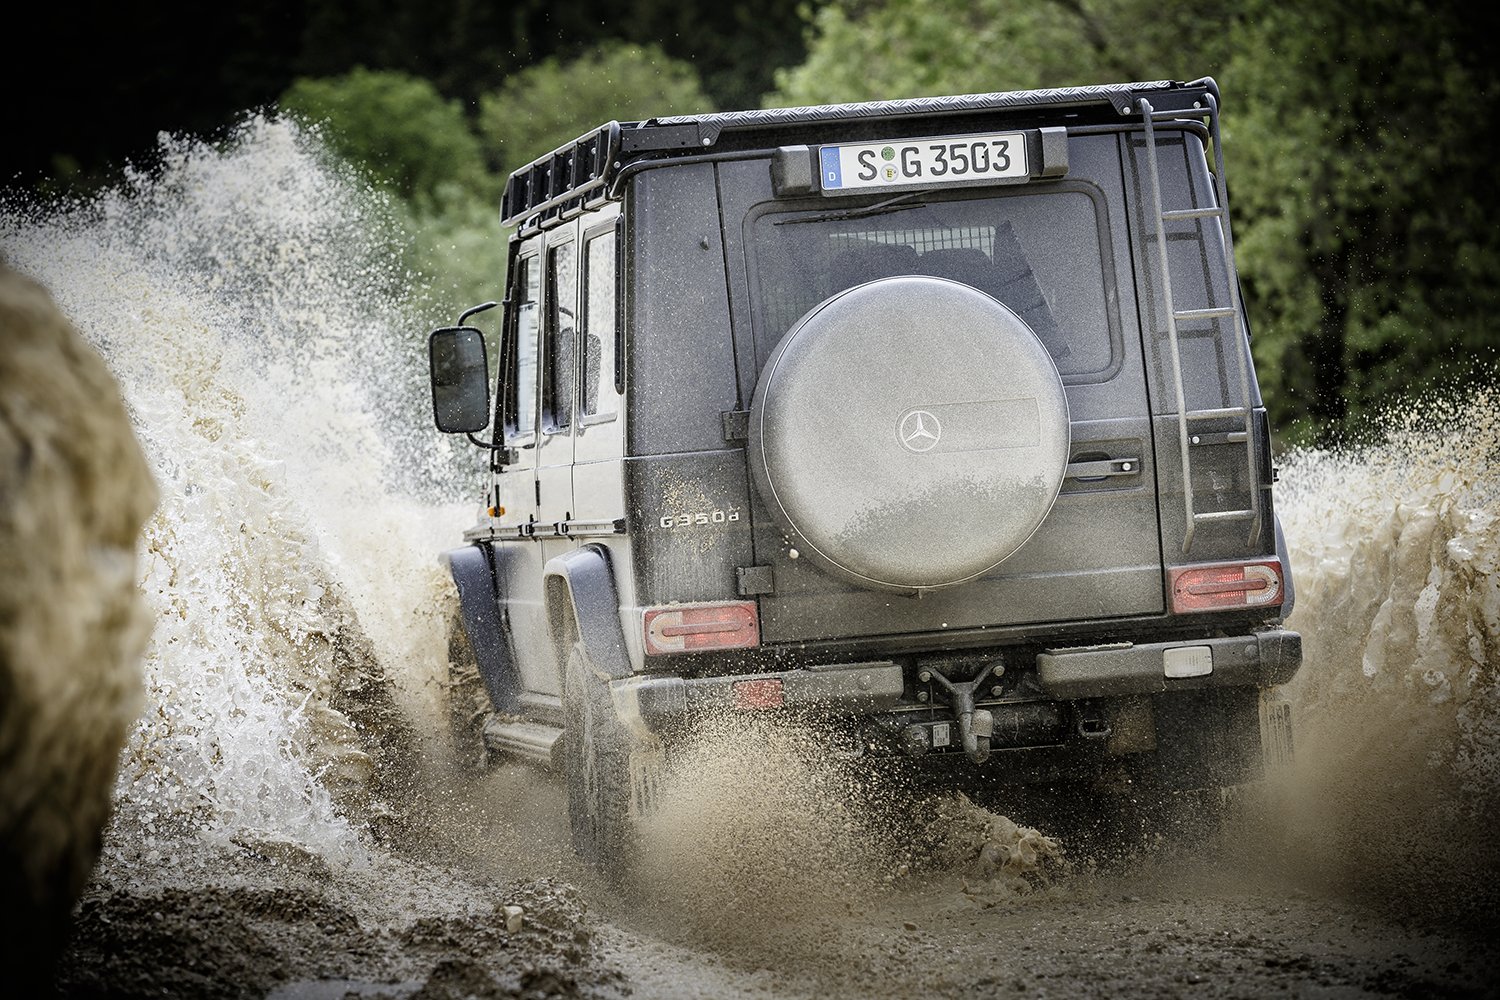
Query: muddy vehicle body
{"type": "Point", "coordinates": [932, 419]}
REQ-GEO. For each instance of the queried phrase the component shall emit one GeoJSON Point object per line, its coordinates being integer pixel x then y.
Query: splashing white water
{"type": "Point", "coordinates": [1396, 553]}
{"type": "Point", "coordinates": [245, 294]}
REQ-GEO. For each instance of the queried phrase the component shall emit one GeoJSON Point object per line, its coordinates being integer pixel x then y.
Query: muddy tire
{"type": "Point", "coordinates": [468, 700]}
{"type": "Point", "coordinates": [596, 762]}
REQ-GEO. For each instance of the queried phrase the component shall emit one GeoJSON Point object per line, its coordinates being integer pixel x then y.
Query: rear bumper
{"type": "Point", "coordinates": [848, 688]}
{"type": "Point", "coordinates": [1260, 659]}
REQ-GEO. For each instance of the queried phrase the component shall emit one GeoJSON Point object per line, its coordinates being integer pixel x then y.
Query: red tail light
{"type": "Point", "coordinates": [1225, 586]}
{"type": "Point", "coordinates": [692, 628]}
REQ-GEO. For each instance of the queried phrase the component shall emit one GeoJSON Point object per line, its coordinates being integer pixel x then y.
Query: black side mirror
{"type": "Point", "coordinates": [460, 379]}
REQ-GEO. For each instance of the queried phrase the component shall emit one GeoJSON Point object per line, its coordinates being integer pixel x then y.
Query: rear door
{"type": "Point", "coordinates": [1058, 254]}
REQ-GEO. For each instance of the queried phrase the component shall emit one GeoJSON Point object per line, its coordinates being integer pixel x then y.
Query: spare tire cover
{"type": "Point", "coordinates": [910, 433]}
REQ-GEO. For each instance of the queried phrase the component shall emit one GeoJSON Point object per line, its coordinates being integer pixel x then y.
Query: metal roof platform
{"type": "Point", "coordinates": [579, 174]}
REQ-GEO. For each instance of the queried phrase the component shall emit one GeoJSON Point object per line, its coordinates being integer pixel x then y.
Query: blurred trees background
{"type": "Point", "coordinates": [1357, 132]}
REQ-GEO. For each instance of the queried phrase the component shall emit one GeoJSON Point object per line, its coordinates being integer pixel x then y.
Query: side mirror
{"type": "Point", "coordinates": [460, 379]}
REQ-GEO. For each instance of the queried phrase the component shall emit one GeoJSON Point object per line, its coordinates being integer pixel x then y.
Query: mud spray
{"type": "Point", "coordinates": [247, 296]}
{"type": "Point", "coordinates": [281, 801]}
{"type": "Point", "coordinates": [1395, 789]}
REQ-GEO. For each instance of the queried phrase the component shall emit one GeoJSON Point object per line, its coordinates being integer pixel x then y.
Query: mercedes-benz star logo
{"type": "Point", "coordinates": [919, 431]}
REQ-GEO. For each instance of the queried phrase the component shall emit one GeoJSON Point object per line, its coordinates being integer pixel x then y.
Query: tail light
{"type": "Point", "coordinates": [1226, 586]}
{"type": "Point", "coordinates": [693, 628]}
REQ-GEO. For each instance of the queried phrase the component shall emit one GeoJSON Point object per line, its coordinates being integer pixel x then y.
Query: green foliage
{"type": "Point", "coordinates": [1365, 195]}
{"type": "Point", "coordinates": [407, 138]}
{"type": "Point", "coordinates": [400, 129]}
{"type": "Point", "coordinates": [921, 48]}
{"type": "Point", "coordinates": [459, 253]}
{"type": "Point", "coordinates": [546, 105]}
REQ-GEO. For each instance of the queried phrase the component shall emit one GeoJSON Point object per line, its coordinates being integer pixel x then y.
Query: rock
{"type": "Point", "coordinates": [74, 493]}
{"type": "Point", "coordinates": [514, 917]}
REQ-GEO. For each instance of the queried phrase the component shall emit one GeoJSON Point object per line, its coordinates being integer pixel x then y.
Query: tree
{"type": "Point", "coordinates": [398, 128]}
{"type": "Point", "coordinates": [1362, 173]}
{"type": "Point", "coordinates": [864, 50]}
{"type": "Point", "coordinates": [405, 137]}
{"type": "Point", "coordinates": [544, 106]}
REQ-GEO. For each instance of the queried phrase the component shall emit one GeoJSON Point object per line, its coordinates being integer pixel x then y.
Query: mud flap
{"type": "Point", "coordinates": [1275, 731]}
{"type": "Point", "coordinates": [648, 765]}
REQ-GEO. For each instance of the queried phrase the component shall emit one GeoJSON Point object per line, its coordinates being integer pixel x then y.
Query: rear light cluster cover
{"type": "Point", "coordinates": [1226, 586]}
{"type": "Point", "coordinates": [694, 628]}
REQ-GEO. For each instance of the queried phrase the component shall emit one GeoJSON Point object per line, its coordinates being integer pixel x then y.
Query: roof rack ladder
{"type": "Point", "coordinates": [1185, 417]}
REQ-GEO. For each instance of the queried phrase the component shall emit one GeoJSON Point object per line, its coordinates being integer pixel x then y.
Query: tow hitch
{"type": "Point", "coordinates": [975, 726]}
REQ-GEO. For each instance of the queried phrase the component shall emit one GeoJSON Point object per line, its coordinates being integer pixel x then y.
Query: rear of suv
{"type": "Point", "coordinates": [934, 420]}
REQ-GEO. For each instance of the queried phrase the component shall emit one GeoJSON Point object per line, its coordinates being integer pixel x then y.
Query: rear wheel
{"type": "Point", "coordinates": [596, 758]}
{"type": "Point", "coordinates": [1194, 787]}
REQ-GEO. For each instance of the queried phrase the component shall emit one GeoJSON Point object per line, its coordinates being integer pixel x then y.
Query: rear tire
{"type": "Point", "coordinates": [596, 762]}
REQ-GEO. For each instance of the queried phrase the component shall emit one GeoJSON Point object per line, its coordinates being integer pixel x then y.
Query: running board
{"type": "Point", "coordinates": [532, 741]}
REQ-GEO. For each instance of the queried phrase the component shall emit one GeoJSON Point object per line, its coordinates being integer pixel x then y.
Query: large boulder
{"type": "Point", "coordinates": [74, 493]}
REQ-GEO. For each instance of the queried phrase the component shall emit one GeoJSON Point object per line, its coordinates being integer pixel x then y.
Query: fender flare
{"type": "Point", "coordinates": [473, 570]}
{"type": "Point", "coordinates": [582, 603]}
{"type": "Point", "coordinates": [1289, 602]}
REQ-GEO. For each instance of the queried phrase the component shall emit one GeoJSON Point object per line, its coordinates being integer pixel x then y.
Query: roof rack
{"type": "Point", "coordinates": [577, 175]}
{"type": "Point", "coordinates": [569, 179]}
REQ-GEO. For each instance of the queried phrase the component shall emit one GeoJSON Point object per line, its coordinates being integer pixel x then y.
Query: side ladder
{"type": "Point", "coordinates": [1187, 438]}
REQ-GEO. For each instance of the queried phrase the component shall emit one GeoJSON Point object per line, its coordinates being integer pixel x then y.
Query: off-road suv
{"type": "Point", "coordinates": [933, 419]}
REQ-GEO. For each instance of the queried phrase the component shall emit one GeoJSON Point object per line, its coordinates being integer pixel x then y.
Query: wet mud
{"type": "Point", "coordinates": [293, 820]}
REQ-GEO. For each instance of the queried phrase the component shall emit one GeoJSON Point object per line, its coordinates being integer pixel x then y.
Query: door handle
{"type": "Point", "coordinates": [1103, 469]}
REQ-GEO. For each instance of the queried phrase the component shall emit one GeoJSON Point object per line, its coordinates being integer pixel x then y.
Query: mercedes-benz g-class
{"type": "Point", "coordinates": [932, 419]}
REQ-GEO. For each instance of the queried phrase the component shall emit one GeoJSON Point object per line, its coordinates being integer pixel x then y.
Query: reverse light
{"type": "Point", "coordinates": [1225, 586]}
{"type": "Point", "coordinates": [693, 628]}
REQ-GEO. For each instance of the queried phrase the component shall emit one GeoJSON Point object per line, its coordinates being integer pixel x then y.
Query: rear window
{"type": "Point", "coordinates": [1039, 254]}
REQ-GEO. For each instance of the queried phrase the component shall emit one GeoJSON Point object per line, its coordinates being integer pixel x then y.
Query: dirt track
{"type": "Point", "coordinates": [256, 919]}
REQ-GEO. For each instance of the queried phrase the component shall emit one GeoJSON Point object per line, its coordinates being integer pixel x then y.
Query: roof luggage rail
{"type": "Point", "coordinates": [577, 175]}
{"type": "Point", "coordinates": [569, 179]}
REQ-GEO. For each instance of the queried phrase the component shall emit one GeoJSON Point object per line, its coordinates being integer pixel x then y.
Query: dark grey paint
{"type": "Point", "coordinates": [582, 603]}
{"type": "Point", "coordinates": [483, 622]}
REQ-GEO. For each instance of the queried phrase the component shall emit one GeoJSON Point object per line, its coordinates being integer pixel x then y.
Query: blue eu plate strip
{"type": "Point", "coordinates": [833, 175]}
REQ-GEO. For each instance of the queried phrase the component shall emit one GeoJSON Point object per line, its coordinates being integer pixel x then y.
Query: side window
{"type": "Point", "coordinates": [598, 395]}
{"type": "Point", "coordinates": [558, 363]}
{"type": "Point", "coordinates": [520, 402]}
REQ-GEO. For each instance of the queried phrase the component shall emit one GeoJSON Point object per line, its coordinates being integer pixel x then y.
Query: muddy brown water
{"type": "Point", "coordinates": [290, 822]}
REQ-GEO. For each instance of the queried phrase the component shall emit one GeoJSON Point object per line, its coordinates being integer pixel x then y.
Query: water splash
{"type": "Point", "coordinates": [1396, 551]}
{"type": "Point", "coordinates": [247, 295]}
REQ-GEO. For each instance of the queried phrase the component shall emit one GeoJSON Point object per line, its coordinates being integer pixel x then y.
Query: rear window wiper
{"type": "Point", "coordinates": [900, 203]}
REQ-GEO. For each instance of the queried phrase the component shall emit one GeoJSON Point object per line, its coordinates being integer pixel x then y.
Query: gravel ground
{"type": "Point", "coordinates": [267, 919]}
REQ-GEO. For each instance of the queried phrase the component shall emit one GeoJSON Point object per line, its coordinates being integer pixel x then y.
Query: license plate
{"type": "Point", "coordinates": [923, 163]}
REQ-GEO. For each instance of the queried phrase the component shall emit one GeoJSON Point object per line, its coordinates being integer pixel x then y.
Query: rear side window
{"type": "Point", "coordinates": [558, 362]}
{"type": "Point", "coordinates": [520, 396]}
{"type": "Point", "coordinates": [1040, 254]}
{"type": "Point", "coordinates": [597, 396]}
